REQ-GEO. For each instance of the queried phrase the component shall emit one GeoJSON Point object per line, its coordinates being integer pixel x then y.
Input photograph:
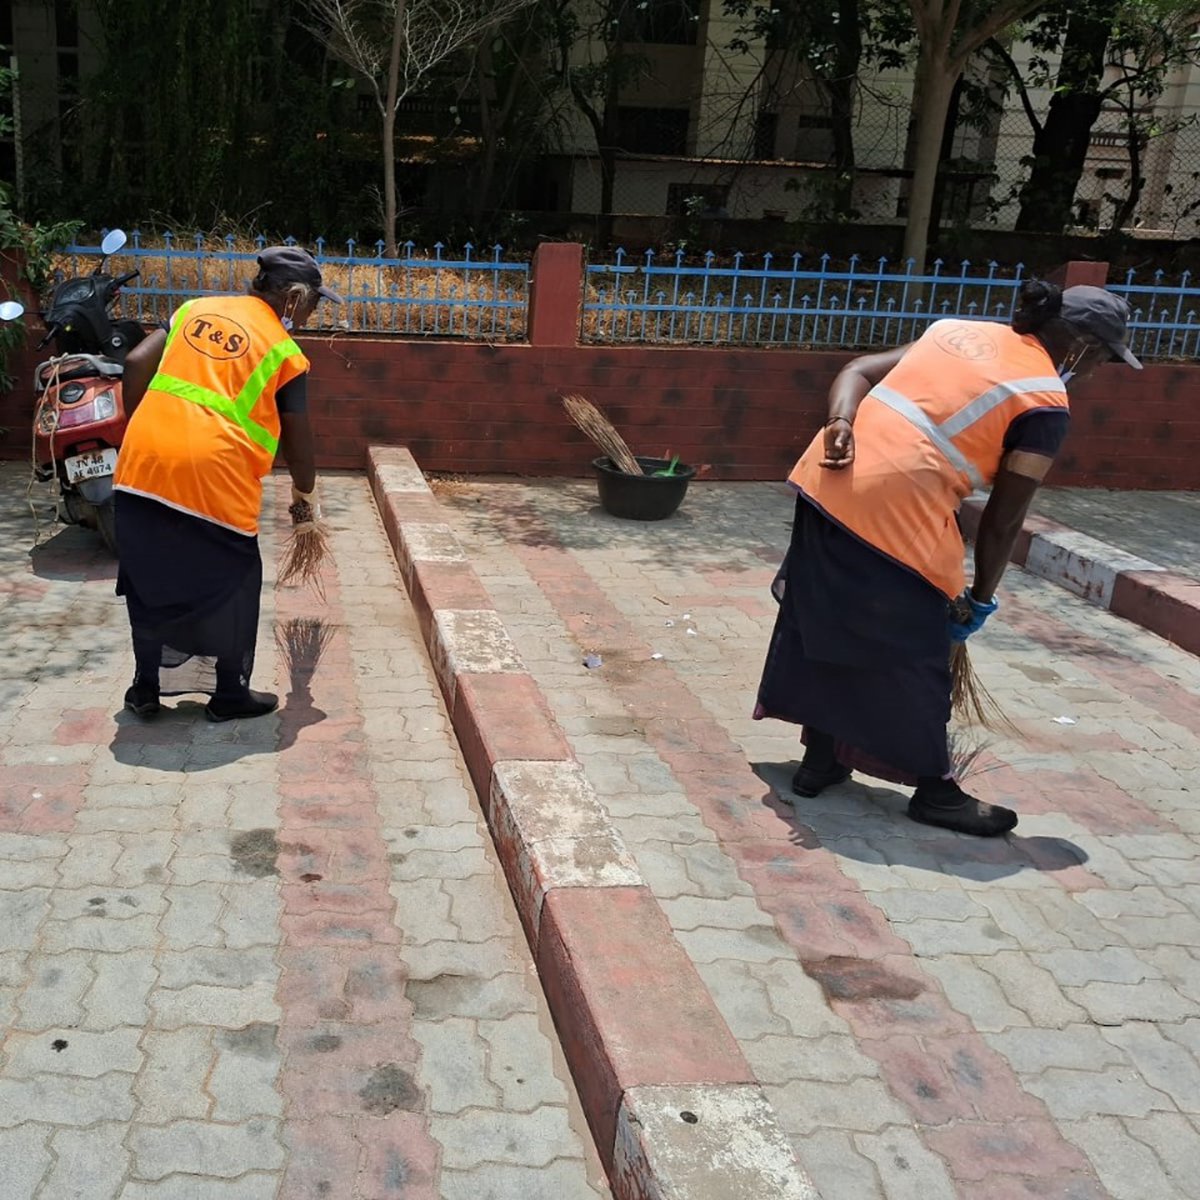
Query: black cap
{"type": "Point", "coordinates": [1103, 314]}
{"type": "Point", "coordinates": [290, 264]}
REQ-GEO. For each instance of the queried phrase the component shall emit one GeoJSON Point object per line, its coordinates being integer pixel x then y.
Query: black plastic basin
{"type": "Point", "coordinates": [642, 497]}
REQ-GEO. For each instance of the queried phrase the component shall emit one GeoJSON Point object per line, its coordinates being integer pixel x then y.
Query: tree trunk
{"type": "Point", "coordinates": [946, 152]}
{"type": "Point", "coordinates": [1060, 147]}
{"type": "Point", "coordinates": [1137, 181]}
{"type": "Point", "coordinates": [609, 136]}
{"type": "Point", "coordinates": [932, 91]}
{"type": "Point", "coordinates": [391, 103]}
{"type": "Point", "coordinates": [842, 90]}
{"type": "Point", "coordinates": [489, 130]}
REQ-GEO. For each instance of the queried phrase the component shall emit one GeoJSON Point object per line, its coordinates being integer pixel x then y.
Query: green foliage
{"type": "Point", "coordinates": [31, 244]}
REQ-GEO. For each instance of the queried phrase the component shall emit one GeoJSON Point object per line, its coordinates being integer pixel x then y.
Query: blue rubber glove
{"type": "Point", "coordinates": [967, 616]}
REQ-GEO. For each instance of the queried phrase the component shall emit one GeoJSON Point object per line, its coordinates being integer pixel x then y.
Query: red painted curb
{"type": "Point", "coordinates": [630, 1007]}
{"type": "Point", "coordinates": [443, 585]}
{"type": "Point", "coordinates": [501, 718]}
{"type": "Point", "coordinates": [1162, 602]}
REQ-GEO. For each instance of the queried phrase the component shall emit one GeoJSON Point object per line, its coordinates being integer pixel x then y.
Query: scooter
{"type": "Point", "coordinates": [80, 418]}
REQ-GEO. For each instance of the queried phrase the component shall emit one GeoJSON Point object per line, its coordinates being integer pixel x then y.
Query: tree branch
{"type": "Point", "coordinates": [998, 48]}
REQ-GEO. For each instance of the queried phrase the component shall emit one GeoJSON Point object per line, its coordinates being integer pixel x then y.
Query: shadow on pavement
{"type": "Point", "coordinates": [869, 824]}
{"type": "Point", "coordinates": [182, 739]}
{"type": "Point", "coordinates": [72, 554]}
{"type": "Point", "coordinates": [565, 513]}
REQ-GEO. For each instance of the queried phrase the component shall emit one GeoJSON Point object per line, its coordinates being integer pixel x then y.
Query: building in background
{"type": "Point", "coordinates": [702, 129]}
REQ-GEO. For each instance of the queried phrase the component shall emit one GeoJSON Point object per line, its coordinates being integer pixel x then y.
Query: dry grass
{"type": "Point", "coordinates": [424, 298]}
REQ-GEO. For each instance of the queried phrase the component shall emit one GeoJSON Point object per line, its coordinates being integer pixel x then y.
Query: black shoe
{"type": "Point", "coordinates": [142, 700]}
{"type": "Point", "coordinates": [949, 807]}
{"type": "Point", "coordinates": [812, 781]}
{"type": "Point", "coordinates": [236, 708]}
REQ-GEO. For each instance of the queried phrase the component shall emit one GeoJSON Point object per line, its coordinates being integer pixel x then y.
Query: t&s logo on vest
{"type": "Point", "coordinates": [216, 336]}
{"type": "Point", "coordinates": [965, 339]}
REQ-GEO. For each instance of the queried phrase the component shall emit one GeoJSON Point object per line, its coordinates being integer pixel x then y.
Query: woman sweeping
{"type": "Point", "coordinates": [223, 390]}
{"type": "Point", "coordinates": [872, 589]}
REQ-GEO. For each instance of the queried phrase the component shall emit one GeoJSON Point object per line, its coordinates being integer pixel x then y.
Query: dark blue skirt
{"type": "Point", "coordinates": [860, 651]}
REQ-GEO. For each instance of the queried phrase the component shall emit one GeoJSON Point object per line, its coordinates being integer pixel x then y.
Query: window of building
{"type": "Point", "coordinates": [661, 22]}
{"type": "Point", "coordinates": [766, 135]}
{"type": "Point", "coordinates": [814, 138]}
{"type": "Point", "coordinates": [66, 23]}
{"type": "Point", "coordinates": [652, 130]}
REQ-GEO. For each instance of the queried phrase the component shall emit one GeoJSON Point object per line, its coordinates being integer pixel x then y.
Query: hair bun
{"type": "Point", "coordinates": [1038, 302]}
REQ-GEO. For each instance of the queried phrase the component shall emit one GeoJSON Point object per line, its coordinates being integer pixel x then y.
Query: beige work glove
{"type": "Point", "coordinates": [305, 509]}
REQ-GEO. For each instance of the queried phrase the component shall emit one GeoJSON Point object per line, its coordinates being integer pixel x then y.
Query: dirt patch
{"type": "Point", "coordinates": [843, 978]}
{"type": "Point", "coordinates": [254, 1041]}
{"type": "Point", "coordinates": [446, 486]}
{"type": "Point", "coordinates": [390, 1088]}
{"type": "Point", "coordinates": [254, 852]}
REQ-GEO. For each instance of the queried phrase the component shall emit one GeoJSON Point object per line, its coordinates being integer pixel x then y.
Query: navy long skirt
{"type": "Point", "coordinates": [860, 651]}
{"type": "Point", "coordinates": [193, 592]}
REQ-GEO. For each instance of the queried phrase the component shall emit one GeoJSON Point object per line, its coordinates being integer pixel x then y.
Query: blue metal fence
{"type": "Point", "coordinates": [1166, 317]}
{"type": "Point", "coordinates": [469, 297]}
{"type": "Point", "coordinates": [775, 301]}
{"type": "Point", "coordinates": [782, 302]}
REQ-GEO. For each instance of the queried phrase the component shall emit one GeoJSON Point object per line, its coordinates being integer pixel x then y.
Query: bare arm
{"type": "Point", "coordinates": [1016, 483]}
{"type": "Point", "coordinates": [140, 364]}
{"type": "Point", "coordinates": [296, 441]}
{"type": "Point", "coordinates": [850, 387]}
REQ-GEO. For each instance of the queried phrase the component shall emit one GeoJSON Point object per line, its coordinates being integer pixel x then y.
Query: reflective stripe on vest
{"type": "Point", "coordinates": [914, 415]}
{"type": "Point", "coordinates": [966, 416]}
{"type": "Point", "coordinates": [980, 407]}
{"type": "Point", "coordinates": [239, 409]}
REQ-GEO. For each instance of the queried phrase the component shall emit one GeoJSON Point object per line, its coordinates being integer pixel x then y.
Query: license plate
{"type": "Point", "coordinates": [95, 464]}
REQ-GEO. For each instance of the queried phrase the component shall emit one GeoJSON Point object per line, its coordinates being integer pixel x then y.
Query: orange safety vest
{"type": "Point", "coordinates": [206, 432]}
{"type": "Point", "coordinates": [926, 437]}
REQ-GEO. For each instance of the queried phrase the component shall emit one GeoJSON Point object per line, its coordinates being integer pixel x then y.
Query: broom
{"type": "Point", "coordinates": [970, 701]}
{"type": "Point", "coordinates": [307, 546]}
{"type": "Point", "coordinates": [600, 429]}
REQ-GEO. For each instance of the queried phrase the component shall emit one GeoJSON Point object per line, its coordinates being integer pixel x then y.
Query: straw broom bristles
{"type": "Point", "coordinates": [600, 429]}
{"type": "Point", "coordinates": [306, 551]}
{"type": "Point", "coordinates": [970, 701]}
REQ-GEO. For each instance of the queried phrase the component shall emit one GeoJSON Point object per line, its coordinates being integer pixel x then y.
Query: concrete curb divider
{"type": "Point", "coordinates": [1159, 600]}
{"type": "Point", "coordinates": [673, 1105]}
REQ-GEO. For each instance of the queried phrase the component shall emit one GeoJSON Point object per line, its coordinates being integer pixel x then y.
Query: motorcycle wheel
{"type": "Point", "coordinates": [106, 525]}
{"type": "Point", "coordinates": [73, 510]}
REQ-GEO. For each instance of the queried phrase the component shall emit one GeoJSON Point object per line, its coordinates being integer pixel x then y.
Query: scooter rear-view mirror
{"type": "Point", "coordinates": [10, 310]}
{"type": "Point", "coordinates": [114, 239]}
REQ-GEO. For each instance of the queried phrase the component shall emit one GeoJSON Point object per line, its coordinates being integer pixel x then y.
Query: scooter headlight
{"type": "Point", "coordinates": [104, 405]}
{"type": "Point", "coordinates": [47, 419]}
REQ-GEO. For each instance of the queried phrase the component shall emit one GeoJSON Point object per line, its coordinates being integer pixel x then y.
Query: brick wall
{"type": "Point", "coordinates": [744, 414]}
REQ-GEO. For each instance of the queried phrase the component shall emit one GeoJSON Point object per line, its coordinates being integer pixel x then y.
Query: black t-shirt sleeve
{"type": "Point", "coordinates": [1039, 432]}
{"type": "Point", "coordinates": [293, 396]}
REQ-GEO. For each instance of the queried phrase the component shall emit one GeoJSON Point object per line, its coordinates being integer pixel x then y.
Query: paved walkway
{"type": "Point", "coordinates": [1161, 527]}
{"type": "Point", "coordinates": [278, 959]}
{"type": "Point", "coordinates": [933, 1016]}
{"type": "Point", "coordinates": [274, 959]}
